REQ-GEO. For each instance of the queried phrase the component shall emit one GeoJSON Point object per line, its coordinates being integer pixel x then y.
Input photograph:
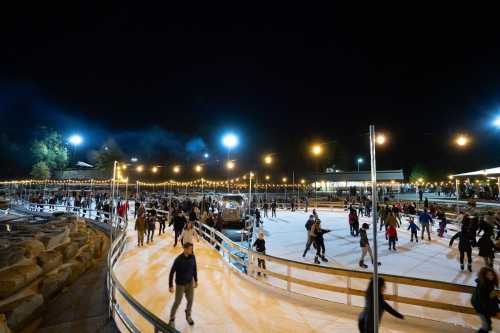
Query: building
{"type": "Point", "coordinates": [340, 180]}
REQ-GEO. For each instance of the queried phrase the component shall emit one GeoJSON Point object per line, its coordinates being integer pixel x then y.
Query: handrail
{"type": "Point", "coordinates": [251, 269]}
{"type": "Point", "coordinates": [118, 233]}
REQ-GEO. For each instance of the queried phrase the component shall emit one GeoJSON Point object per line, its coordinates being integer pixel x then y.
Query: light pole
{"type": "Point", "coordinates": [230, 141]}
{"type": "Point", "coordinates": [316, 150]}
{"type": "Point", "coordinates": [284, 181]}
{"type": "Point", "coordinates": [379, 139]}
{"type": "Point", "coordinates": [75, 140]}
{"type": "Point", "coordinates": [359, 160]}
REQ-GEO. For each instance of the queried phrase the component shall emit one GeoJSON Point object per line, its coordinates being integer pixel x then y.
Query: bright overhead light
{"type": "Point", "coordinates": [360, 160]}
{"type": "Point", "coordinates": [462, 140]}
{"type": "Point", "coordinates": [198, 168]}
{"type": "Point", "coordinates": [268, 159]}
{"type": "Point", "coordinates": [154, 169]}
{"type": "Point", "coordinates": [496, 122]}
{"type": "Point", "coordinates": [316, 150]}
{"type": "Point", "coordinates": [176, 169]}
{"type": "Point", "coordinates": [284, 179]}
{"type": "Point", "coordinates": [139, 168]}
{"type": "Point", "coordinates": [75, 139]}
{"type": "Point", "coordinates": [268, 177]}
{"type": "Point", "coordinates": [380, 139]}
{"type": "Point", "coordinates": [230, 165]}
{"type": "Point", "coordinates": [134, 159]}
{"type": "Point", "coordinates": [206, 155]}
{"type": "Point", "coordinates": [230, 140]}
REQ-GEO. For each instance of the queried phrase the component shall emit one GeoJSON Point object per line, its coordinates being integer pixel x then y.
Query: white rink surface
{"type": "Point", "coordinates": [286, 237]}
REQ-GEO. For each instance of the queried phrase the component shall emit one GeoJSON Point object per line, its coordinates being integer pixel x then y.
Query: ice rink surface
{"type": "Point", "coordinates": [286, 237]}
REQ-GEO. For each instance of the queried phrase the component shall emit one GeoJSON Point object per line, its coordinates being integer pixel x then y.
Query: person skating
{"type": "Point", "coordinates": [442, 223]}
{"type": "Point", "coordinates": [487, 249]}
{"type": "Point", "coordinates": [273, 208]}
{"type": "Point", "coordinates": [311, 235]}
{"type": "Point", "coordinates": [464, 247]}
{"type": "Point", "coordinates": [413, 227]}
{"type": "Point", "coordinates": [425, 220]}
{"type": "Point", "coordinates": [260, 246]}
{"type": "Point", "coordinates": [365, 320]}
{"type": "Point", "coordinates": [189, 234]}
{"type": "Point", "coordinates": [484, 297]}
{"type": "Point", "coordinates": [265, 207]}
{"type": "Point", "coordinates": [151, 225]}
{"type": "Point", "coordinates": [140, 224]}
{"type": "Point", "coordinates": [179, 223]}
{"type": "Point", "coordinates": [365, 245]}
{"type": "Point", "coordinates": [354, 223]}
{"type": "Point", "coordinates": [186, 280]}
{"type": "Point", "coordinates": [392, 234]}
{"type": "Point", "coordinates": [257, 217]}
{"type": "Point", "coordinates": [319, 241]}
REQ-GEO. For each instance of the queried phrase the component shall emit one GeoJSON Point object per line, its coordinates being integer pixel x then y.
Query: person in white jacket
{"type": "Point", "coordinates": [189, 234]}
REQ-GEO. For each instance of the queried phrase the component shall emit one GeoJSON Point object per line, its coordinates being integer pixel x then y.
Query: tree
{"type": "Point", "coordinates": [40, 170]}
{"type": "Point", "coordinates": [51, 150]}
{"type": "Point", "coordinates": [107, 155]}
{"type": "Point", "coordinates": [418, 172]}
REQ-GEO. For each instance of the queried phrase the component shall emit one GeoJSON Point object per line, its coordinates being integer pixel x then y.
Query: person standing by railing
{"type": "Point", "coordinates": [260, 246]}
{"type": "Point", "coordinates": [484, 298]}
{"type": "Point", "coordinates": [186, 280]}
{"type": "Point", "coordinates": [365, 320]}
{"type": "Point", "coordinates": [189, 234]}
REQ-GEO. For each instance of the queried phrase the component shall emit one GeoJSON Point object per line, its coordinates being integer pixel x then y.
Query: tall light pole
{"type": "Point", "coordinates": [379, 139]}
{"type": "Point", "coordinates": [230, 141]}
{"type": "Point", "coordinates": [359, 161]}
{"type": "Point", "coordinates": [316, 151]}
{"type": "Point", "coordinates": [75, 140]}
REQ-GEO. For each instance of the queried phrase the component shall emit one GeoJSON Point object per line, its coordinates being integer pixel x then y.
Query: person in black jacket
{"type": "Point", "coordinates": [365, 320]}
{"type": "Point", "coordinates": [319, 241]}
{"type": "Point", "coordinates": [484, 298]}
{"type": "Point", "coordinates": [260, 246]}
{"type": "Point", "coordinates": [179, 223]}
{"type": "Point", "coordinates": [365, 245]}
{"type": "Point", "coordinates": [487, 249]}
{"type": "Point", "coordinates": [464, 246]}
{"type": "Point", "coordinates": [186, 280]}
{"type": "Point", "coordinates": [151, 225]}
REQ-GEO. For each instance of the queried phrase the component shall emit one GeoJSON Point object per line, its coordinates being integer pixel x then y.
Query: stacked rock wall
{"type": "Point", "coordinates": [37, 261]}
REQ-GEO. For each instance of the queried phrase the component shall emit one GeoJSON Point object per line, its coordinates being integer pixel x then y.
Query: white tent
{"type": "Point", "coordinates": [485, 172]}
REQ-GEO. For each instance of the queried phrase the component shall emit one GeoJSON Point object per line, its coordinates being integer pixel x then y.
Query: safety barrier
{"type": "Point", "coordinates": [118, 234]}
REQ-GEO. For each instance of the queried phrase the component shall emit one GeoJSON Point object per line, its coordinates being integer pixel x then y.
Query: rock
{"type": "Point", "coordinates": [49, 260]}
{"type": "Point", "coordinates": [20, 312]}
{"type": "Point", "coordinates": [54, 282]}
{"type": "Point", "coordinates": [68, 250]}
{"type": "Point", "coordinates": [54, 238]}
{"type": "Point", "coordinates": [33, 247]}
{"type": "Point", "coordinates": [77, 268]}
{"type": "Point", "coordinates": [11, 256]}
{"type": "Point", "coordinates": [16, 277]}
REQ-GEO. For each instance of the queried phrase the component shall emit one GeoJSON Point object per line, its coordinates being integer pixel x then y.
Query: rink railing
{"type": "Point", "coordinates": [282, 273]}
{"type": "Point", "coordinates": [118, 236]}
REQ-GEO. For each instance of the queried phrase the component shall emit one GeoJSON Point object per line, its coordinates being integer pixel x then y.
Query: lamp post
{"type": "Point", "coordinates": [359, 161]}
{"type": "Point", "coordinates": [379, 139]}
{"type": "Point", "coordinates": [316, 150]}
{"type": "Point", "coordinates": [230, 141]}
{"type": "Point", "coordinates": [75, 140]}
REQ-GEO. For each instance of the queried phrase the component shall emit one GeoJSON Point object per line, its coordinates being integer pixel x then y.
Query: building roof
{"type": "Point", "coordinates": [361, 176]}
{"type": "Point", "coordinates": [484, 172]}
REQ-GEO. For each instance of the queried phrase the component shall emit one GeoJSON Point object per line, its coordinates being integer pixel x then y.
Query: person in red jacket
{"type": "Point", "coordinates": [392, 234]}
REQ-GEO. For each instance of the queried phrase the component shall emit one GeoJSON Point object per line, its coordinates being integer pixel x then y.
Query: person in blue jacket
{"type": "Point", "coordinates": [413, 229]}
{"type": "Point", "coordinates": [425, 220]}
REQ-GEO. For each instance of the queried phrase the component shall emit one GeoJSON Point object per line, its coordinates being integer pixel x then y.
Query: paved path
{"type": "Point", "coordinates": [225, 301]}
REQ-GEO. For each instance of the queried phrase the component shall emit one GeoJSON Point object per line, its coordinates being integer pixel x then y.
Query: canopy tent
{"type": "Point", "coordinates": [485, 172]}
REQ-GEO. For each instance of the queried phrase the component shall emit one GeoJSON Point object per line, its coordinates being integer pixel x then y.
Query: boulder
{"type": "Point", "coordinates": [52, 283]}
{"type": "Point", "coordinates": [33, 247]}
{"type": "Point", "coordinates": [68, 250]}
{"type": "Point", "coordinates": [77, 268]}
{"type": "Point", "coordinates": [21, 311]}
{"type": "Point", "coordinates": [16, 277]}
{"type": "Point", "coordinates": [54, 238]}
{"type": "Point", "coordinates": [49, 260]}
{"type": "Point", "coordinates": [11, 256]}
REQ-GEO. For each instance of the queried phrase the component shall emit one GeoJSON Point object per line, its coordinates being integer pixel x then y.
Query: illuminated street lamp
{"type": "Point", "coordinates": [230, 165]}
{"type": "Point", "coordinates": [75, 140]}
{"type": "Point", "coordinates": [359, 160]}
{"type": "Point", "coordinates": [496, 122]}
{"type": "Point", "coordinates": [176, 169]}
{"type": "Point", "coordinates": [268, 177]}
{"type": "Point", "coordinates": [134, 159]}
{"type": "Point", "coordinates": [380, 139]}
{"type": "Point", "coordinates": [206, 155]}
{"type": "Point", "coordinates": [268, 159]}
{"type": "Point", "coordinates": [154, 169]}
{"type": "Point", "coordinates": [198, 168]}
{"type": "Point", "coordinates": [230, 141]}
{"type": "Point", "coordinates": [139, 168]}
{"type": "Point", "coordinates": [462, 140]}
{"type": "Point", "coordinates": [316, 149]}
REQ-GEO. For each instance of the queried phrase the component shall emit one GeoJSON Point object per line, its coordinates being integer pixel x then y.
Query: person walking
{"type": "Point", "coordinates": [257, 217]}
{"type": "Point", "coordinates": [487, 249]}
{"type": "Point", "coordinates": [464, 246]}
{"type": "Point", "coordinates": [136, 207]}
{"type": "Point", "coordinates": [306, 204]}
{"type": "Point", "coordinates": [260, 247]}
{"type": "Point", "coordinates": [151, 225]}
{"type": "Point", "coordinates": [179, 223]}
{"type": "Point", "coordinates": [273, 208]}
{"type": "Point", "coordinates": [186, 280]}
{"type": "Point", "coordinates": [162, 219]}
{"type": "Point", "coordinates": [265, 207]}
{"type": "Point", "coordinates": [354, 223]}
{"type": "Point", "coordinates": [425, 219]}
{"type": "Point", "coordinates": [413, 229]}
{"type": "Point", "coordinates": [140, 224]}
{"type": "Point", "coordinates": [484, 297]}
{"type": "Point", "coordinates": [189, 234]}
{"type": "Point", "coordinates": [365, 320]}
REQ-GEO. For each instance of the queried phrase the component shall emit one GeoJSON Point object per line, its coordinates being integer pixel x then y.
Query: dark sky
{"type": "Point", "coordinates": [157, 78]}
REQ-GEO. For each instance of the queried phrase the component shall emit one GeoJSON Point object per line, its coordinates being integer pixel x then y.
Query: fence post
{"type": "Point", "coordinates": [349, 300]}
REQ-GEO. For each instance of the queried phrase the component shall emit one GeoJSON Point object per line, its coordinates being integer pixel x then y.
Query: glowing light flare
{"type": "Point", "coordinates": [268, 177]}
{"type": "Point", "coordinates": [75, 140]}
{"type": "Point", "coordinates": [284, 179]}
{"type": "Point", "coordinates": [302, 181]}
{"type": "Point", "coordinates": [176, 169]}
{"type": "Point", "coordinates": [360, 160]}
{"type": "Point", "coordinates": [230, 165]}
{"type": "Point", "coordinates": [268, 159]}
{"type": "Point", "coordinates": [198, 168]}
{"type": "Point", "coordinates": [496, 122]}
{"type": "Point", "coordinates": [230, 140]}
{"type": "Point", "coordinates": [139, 168]}
{"type": "Point", "coordinates": [154, 169]}
{"type": "Point", "coordinates": [462, 140]}
{"type": "Point", "coordinates": [380, 139]}
{"type": "Point", "coordinates": [316, 150]}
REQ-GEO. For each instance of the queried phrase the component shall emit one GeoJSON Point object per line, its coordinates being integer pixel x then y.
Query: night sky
{"type": "Point", "coordinates": [166, 84]}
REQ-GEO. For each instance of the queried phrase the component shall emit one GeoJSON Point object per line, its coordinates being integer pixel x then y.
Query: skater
{"type": "Point", "coordinates": [442, 223]}
{"type": "Point", "coordinates": [257, 217]}
{"type": "Point", "coordinates": [425, 219]}
{"type": "Point", "coordinates": [365, 320]}
{"type": "Point", "coordinates": [136, 207]}
{"type": "Point", "coordinates": [260, 246]}
{"type": "Point", "coordinates": [487, 249]}
{"type": "Point", "coordinates": [151, 224]}
{"type": "Point", "coordinates": [310, 234]}
{"type": "Point", "coordinates": [464, 246]}
{"type": "Point", "coordinates": [140, 224]}
{"type": "Point", "coordinates": [266, 207]}
{"type": "Point", "coordinates": [162, 220]}
{"type": "Point", "coordinates": [186, 280]}
{"type": "Point", "coordinates": [189, 234]}
{"type": "Point", "coordinates": [484, 298]}
{"type": "Point", "coordinates": [273, 208]}
{"type": "Point", "coordinates": [179, 222]}
{"type": "Point", "coordinates": [392, 234]}
{"type": "Point", "coordinates": [354, 223]}
{"type": "Point", "coordinates": [365, 245]}
{"type": "Point", "coordinates": [320, 242]}
{"type": "Point", "coordinates": [413, 229]}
